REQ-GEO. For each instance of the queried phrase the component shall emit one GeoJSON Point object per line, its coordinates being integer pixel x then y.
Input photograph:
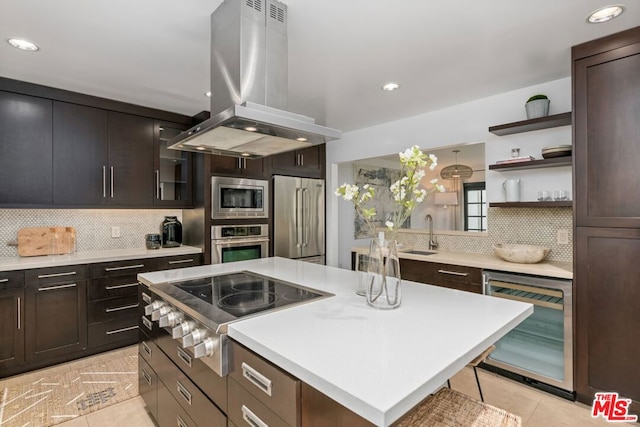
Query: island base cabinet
{"type": "Point", "coordinates": [11, 327]}
{"type": "Point", "coordinates": [148, 387]}
{"type": "Point", "coordinates": [319, 410]}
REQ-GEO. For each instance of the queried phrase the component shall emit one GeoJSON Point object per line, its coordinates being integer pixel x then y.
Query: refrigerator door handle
{"type": "Point", "coordinates": [298, 219]}
{"type": "Point", "coordinates": [305, 217]}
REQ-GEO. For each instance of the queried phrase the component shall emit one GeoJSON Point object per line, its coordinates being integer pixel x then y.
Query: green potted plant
{"type": "Point", "coordinates": [537, 106]}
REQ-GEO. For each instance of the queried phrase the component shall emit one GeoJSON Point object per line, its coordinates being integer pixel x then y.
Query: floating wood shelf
{"type": "Point", "coordinates": [562, 119]}
{"type": "Point", "coordinates": [550, 204]}
{"type": "Point", "coordinates": [533, 164]}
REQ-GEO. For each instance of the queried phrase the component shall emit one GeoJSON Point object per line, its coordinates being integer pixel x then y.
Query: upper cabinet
{"type": "Point", "coordinates": [25, 150]}
{"type": "Point", "coordinates": [238, 166]}
{"type": "Point", "coordinates": [306, 162]}
{"type": "Point", "coordinates": [172, 169]}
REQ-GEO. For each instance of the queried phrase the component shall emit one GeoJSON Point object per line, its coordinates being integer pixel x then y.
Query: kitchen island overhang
{"type": "Point", "coordinates": [378, 364]}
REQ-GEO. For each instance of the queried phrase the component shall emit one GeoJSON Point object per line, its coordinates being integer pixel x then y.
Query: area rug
{"type": "Point", "coordinates": [64, 392]}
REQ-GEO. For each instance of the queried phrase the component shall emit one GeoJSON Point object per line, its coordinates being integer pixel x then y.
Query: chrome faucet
{"type": "Point", "coordinates": [432, 243]}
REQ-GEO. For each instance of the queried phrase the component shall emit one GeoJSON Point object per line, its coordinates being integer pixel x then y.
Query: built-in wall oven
{"type": "Point", "coordinates": [538, 351]}
{"type": "Point", "coordinates": [239, 242]}
{"type": "Point", "coordinates": [237, 198]}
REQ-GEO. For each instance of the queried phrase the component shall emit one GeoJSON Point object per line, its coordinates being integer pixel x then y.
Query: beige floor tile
{"type": "Point", "coordinates": [76, 422]}
{"type": "Point", "coordinates": [558, 412]}
{"type": "Point", "coordinates": [128, 413]}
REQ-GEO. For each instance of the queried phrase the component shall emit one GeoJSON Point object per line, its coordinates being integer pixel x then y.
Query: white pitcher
{"type": "Point", "coordinates": [511, 189]}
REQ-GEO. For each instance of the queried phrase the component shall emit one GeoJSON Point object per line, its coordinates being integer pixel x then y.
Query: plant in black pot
{"type": "Point", "coordinates": [537, 106]}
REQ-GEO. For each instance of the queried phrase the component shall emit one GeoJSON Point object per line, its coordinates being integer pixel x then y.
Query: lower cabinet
{"type": "Point", "coordinates": [446, 275]}
{"type": "Point", "coordinates": [11, 319]}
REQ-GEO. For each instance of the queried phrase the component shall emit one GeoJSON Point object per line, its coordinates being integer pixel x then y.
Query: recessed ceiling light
{"type": "Point", "coordinates": [605, 14]}
{"type": "Point", "coordinates": [301, 139]}
{"type": "Point", "coordinates": [250, 129]}
{"type": "Point", "coordinates": [245, 154]}
{"type": "Point", "coordinates": [23, 44]}
{"type": "Point", "coordinates": [208, 94]}
{"type": "Point", "coordinates": [391, 86]}
{"type": "Point", "coordinates": [200, 148]}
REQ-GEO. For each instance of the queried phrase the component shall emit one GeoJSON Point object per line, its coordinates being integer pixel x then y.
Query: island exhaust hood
{"type": "Point", "coordinates": [249, 78]}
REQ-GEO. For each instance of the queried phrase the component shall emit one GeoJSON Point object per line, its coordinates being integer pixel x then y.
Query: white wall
{"type": "Point", "coordinates": [460, 124]}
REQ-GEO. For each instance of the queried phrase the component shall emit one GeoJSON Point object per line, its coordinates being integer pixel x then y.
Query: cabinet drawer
{"type": "Point", "coordinates": [113, 309]}
{"type": "Point", "coordinates": [457, 273]}
{"type": "Point", "coordinates": [123, 331]}
{"type": "Point", "coordinates": [275, 388]}
{"type": "Point", "coordinates": [110, 287]}
{"type": "Point", "coordinates": [171, 414]}
{"type": "Point", "coordinates": [64, 274]}
{"type": "Point", "coordinates": [179, 261]}
{"type": "Point", "coordinates": [120, 268]}
{"type": "Point", "coordinates": [148, 329]}
{"type": "Point", "coordinates": [11, 280]}
{"type": "Point", "coordinates": [245, 409]}
{"type": "Point", "coordinates": [190, 398]}
{"type": "Point", "coordinates": [213, 385]}
{"type": "Point", "coordinates": [148, 386]}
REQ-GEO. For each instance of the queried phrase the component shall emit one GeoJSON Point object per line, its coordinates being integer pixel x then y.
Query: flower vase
{"type": "Point", "coordinates": [383, 275]}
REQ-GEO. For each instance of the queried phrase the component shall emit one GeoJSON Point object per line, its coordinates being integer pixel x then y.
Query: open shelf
{"type": "Point", "coordinates": [562, 119]}
{"type": "Point", "coordinates": [533, 164]}
{"type": "Point", "coordinates": [550, 204]}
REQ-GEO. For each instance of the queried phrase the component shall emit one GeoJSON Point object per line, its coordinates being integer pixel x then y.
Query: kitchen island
{"type": "Point", "coordinates": [377, 364]}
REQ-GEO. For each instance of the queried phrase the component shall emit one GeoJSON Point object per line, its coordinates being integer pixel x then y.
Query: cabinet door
{"type": "Point", "coordinates": [11, 327]}
{"type": "Point", "coordinates": [235, 166]}
{"type": "Point", "coordinates": [56, 311]}
{"type": "Point", "coordinates": [307, 162]}
{"type": "Point", "coordinates": [25, 150]}
{"type": "Point", "coordinates": [607, 137]}
{"type": "Point", "coordinates": [607, 312]}
{"type": "Point", "coordinates": [172, 168]}
{"type": "Point", "coordinates": [130, 160]}
{"type": "Point", "coordinates": [80, 174]}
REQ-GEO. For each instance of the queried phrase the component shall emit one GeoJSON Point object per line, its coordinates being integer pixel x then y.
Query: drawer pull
{"type": "Point", "coordinates": [19, 313]}
{"type": "Point", "coordinates": [126, 267]}
{"type": "Point", "coordinates": [4, 280]}
{"type": "Point", "coordinates": [252, 419]}
{"type": "Point", "coordinates": [117, 331]}
{"type": "Point", "coordinates": [146, 348]}
{"type": "Point", "coordinates": [184, 356]}
{"type": "Point", "coordinates": [55, 288]}
{"type": "Point", "coordinates": [256, 378]}
{"type": "Point", "coordinates": [147, 323]}
{"type": "Point", "coordinates": [46, 276]}
{"type": "Point", "coordinates": [181, 261]}
{"type": "Point", "coordinates": [183, 392]}
{"type": "Point", "coordinates": [180, 422]}
{"type": "Point", "coordinates": [124, 307]}
{"type": "Point", "coordinates": [453, 273]}
{"type": "Point", "coordinates": [146, 376]}
{"type": "Point", "coordinates": [128, 285]}
{"type": "Point", "coordinates": [146, 298]}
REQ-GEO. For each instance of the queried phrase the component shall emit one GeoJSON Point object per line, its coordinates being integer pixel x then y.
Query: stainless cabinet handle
{"type": "Point", "coordinates": [111, 168]}
{"type": "Point", "coordinates": [46, 276]}
{"type": "Point", "coordinates": [301, 159]}
{"type": "Point", "coordinates": [158, 185]}
{"type": "Point", "coordinates": [104, 181]}
{"type": "Point", "coordinates": [184, 356]}
{"type": "Point", "coordinates": [146, 376]}
{"type": "Point", "coordinates": [146, 298]}
{"type": "Point", "coordinates": [128, 285]}
{"type": "Point", "coordinates": [147, 323]}
{"type": "Point", "coordinates": [453, 273]}
{"type": "Point", "coordinates": [55, 288]}
{"type": "Point", "coordinates": [126, 267]}
{"type": "Point", "coordinates": [252, 419]}
{"type": "Point", "coordinates": [181, 261]}
{"type": "Point", "coordinates": [256, 378]}
{"type": "Point", "coordinates": [146, 348]}
{"type": "Point", "coordinates": [117, 331]}
{"type": "Point", "coordinates": [183, 392]}
{"type": "Point", "coordinates": [4, 280]}
{"type": "Point", "coordinates": [19, 314]}
{"type": "Point", "coordinates": [123, 307]}
{"type": "Point", "coordinates": [179, 422]}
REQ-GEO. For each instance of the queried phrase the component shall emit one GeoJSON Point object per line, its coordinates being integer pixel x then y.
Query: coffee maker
{"type": "Point", "coordinates": [171, 231]}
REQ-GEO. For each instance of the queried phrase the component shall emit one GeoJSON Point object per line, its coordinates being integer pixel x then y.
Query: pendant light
{"type": "Point", "coordinates": [456, 171]}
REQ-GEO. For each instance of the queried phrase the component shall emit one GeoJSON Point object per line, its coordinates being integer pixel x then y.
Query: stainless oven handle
{"type": "Point", "coordinates": [238, 242]}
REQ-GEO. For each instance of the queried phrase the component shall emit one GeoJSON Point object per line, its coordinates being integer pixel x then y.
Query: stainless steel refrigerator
{"type": "Point", "coordinates": [298, 223]}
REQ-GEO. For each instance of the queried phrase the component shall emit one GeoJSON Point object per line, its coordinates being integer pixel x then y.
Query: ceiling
{"type": "Point", "coordinates": [156, 52]}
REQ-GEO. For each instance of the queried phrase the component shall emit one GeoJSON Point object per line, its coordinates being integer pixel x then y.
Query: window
{"type": "Point", "coordinates": [475, 207]}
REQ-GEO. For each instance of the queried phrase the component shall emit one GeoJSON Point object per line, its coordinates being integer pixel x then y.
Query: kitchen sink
{"type": "Point", "coordinates": [418, 252]}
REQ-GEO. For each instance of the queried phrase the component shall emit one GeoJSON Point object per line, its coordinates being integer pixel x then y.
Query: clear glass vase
{"type": "Point", "coordinates": [383, 275]}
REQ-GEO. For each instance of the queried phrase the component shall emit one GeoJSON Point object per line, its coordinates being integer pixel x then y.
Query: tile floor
{"type": "Point", "coordinates": [537, 408]}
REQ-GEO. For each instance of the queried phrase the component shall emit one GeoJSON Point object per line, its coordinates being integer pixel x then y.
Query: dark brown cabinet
{"type": "Point", "coordinates": [25, 150]}
{"type": "Point", "coordinates": [307, 162]}
{"type": "Point", "coordinates": [172, 169]}
{"type": "Point", "coordinates": [56, 312]}
{"type": "Point", "coordinates": [237, 166]}
{"type": "Point", "coordinates": [11, 318]}
{"type": "Point", "coordinates": [606, 140]}
{"type": "Point", "coordinates": [446, 275]}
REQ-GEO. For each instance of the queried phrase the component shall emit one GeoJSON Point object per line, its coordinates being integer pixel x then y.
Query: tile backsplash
{"type": "Point", "coordinates": [534, 226]}
{"type": "Point", "coordinates": [93, 226]}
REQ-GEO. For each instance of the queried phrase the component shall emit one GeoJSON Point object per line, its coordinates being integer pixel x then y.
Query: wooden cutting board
{"type": "Point", "coordinates": [37, 241]}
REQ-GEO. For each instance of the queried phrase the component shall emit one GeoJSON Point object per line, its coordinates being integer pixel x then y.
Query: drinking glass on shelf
{"type": "Point", "coordinates": [560, 195]}
{"type": "Point", "coordinates": [543, 195]}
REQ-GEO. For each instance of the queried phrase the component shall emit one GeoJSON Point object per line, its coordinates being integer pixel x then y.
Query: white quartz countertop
{"type": "Point", "coordinates": [557, 269]}
{"type": "Point", "coordinates": [378, 364]}
{"type": "Point", "coordinates": [87, 257]}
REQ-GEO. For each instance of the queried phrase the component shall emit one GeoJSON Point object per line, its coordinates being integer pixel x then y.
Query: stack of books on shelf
{"type": "Point", "coordinates": [515, 160]}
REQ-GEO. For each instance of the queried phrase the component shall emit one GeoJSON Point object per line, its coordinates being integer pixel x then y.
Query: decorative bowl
{"type": "Point", "coordinates": [522, 254]}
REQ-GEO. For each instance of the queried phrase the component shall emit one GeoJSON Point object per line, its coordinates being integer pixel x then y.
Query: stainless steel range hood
{"type": "Point", "coordinates": [249, 77]}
